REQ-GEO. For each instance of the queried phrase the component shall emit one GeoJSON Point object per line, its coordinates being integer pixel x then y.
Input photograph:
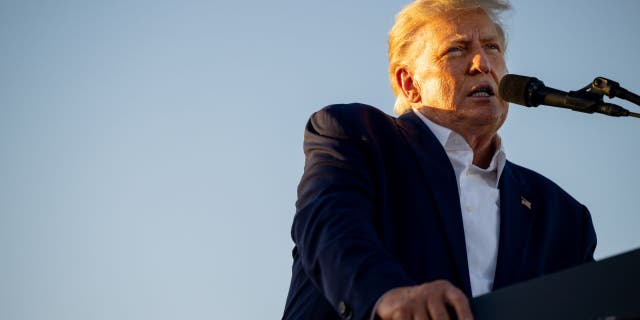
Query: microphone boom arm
{"type": "Point", "coordinates": [586, 101]}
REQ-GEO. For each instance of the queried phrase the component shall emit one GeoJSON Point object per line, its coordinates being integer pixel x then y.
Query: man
{"type": "Point", "coordinates": [402, 218]}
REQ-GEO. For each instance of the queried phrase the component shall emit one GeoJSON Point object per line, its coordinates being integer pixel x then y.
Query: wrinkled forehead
{"type": "Point", "coordinates": [460, 26]}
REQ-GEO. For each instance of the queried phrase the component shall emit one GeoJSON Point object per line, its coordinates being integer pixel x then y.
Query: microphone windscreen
{"type": "Point", "coordinates": [515, 88]}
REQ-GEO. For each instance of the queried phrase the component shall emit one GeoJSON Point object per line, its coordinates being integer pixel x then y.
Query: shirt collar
{"type": "Point", "coordinates": [452, 141]}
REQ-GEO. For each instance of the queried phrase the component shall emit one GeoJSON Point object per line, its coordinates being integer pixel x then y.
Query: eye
{"type": "Point", "coordinates": [455, 49]}
{"type": "Point", "coordinates": [493, 46]}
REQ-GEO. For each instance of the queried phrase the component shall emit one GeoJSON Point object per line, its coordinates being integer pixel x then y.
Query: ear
{"type": "Point", "coordinates": [405, 80]}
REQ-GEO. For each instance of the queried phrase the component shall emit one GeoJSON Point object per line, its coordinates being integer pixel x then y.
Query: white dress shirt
{"type": "Point", "coordinates": [479, 203]}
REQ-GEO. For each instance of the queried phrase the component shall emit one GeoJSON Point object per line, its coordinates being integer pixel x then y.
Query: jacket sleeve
{"type": "Point", "coordinates": [589, 240]}
{"type": "Point", "coordinates": [333, 228]}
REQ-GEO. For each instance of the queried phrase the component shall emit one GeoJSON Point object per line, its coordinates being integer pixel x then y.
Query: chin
{"type": "Point", "coordinates": [486, 118]}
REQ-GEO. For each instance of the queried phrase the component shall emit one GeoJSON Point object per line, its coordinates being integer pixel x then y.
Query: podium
{"type": "Point", "coordinates": [608, 289]}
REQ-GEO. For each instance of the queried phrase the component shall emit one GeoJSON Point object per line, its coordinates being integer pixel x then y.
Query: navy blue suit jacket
{"type": "Point", "coordinates": [378, 208]}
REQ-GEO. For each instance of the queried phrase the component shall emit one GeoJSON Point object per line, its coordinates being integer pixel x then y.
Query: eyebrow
{"type": "Point", "coordinates": [465, 38]}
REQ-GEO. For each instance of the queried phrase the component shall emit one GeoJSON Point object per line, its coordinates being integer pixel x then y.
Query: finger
{"type": "Point", "coordinates": [456, 298]}
{"type": "Point", "coordinates": [401, 314]}
{"type": "Point", "coordinates": [421, 314]}
{"type": "Point", "coordinates": [437, 309]}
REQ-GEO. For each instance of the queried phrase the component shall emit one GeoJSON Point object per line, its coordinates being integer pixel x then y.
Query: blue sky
{"type": "Point", "coordinates": [151, 150]}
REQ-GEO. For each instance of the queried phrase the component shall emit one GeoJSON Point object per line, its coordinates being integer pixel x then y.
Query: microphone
{"type": "Point", "coordinates": [531, 92]}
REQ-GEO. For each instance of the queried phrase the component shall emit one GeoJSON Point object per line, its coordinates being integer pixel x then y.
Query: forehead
{"type": "Point", "coordinates": [461, 26]}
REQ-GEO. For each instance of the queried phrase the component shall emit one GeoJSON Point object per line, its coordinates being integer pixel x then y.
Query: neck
{"type": "Point", "coordinates": [484, 147]}
{"type": "Point", "coordinates": [483, 139]}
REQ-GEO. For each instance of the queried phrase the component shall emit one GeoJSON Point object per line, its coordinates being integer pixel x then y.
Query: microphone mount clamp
{"type": "Point", "coordinates": [598, 88]}
{"type": "Point", "coordinates": [603, 86]}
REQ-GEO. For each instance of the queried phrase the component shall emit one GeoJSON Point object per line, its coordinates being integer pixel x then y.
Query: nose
{"type": "Point", "coordinates": [480, 63]}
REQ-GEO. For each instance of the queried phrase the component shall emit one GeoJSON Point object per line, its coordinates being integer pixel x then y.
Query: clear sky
{"type": "Point", "coordinates": [150, 150]}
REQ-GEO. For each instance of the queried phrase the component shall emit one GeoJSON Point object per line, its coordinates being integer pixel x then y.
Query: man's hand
{"type": "Point", "coordinates": [427, 301]}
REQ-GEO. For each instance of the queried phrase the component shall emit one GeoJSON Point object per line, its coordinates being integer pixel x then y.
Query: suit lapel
{"type": "Point", "coordinates": [516, 216]}
{"type": "Point", "coordinates": [440, 178]}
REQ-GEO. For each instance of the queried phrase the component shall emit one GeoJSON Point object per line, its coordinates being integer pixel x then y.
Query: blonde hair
{"type": "Point", "coordinates": [415, 16]}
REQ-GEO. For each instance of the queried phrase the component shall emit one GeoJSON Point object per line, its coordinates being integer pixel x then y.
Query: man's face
{"type": "Point", "coordinates": [458, 68]}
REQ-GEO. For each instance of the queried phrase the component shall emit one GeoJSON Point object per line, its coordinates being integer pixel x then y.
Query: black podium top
{"type": "Point", "coordinates": [605, 290]}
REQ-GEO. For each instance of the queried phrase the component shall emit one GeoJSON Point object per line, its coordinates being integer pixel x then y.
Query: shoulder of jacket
{"type": "Point", "coordinates": [538, 182]}
{"type": "Point", "coordinates": [347, 120]}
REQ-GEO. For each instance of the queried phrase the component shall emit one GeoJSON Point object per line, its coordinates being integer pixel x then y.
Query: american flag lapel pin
{"type": "Point", "coordinates": [525, 202]}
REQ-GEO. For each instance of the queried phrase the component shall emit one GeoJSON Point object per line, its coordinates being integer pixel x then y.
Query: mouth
{"type": "Point", "coordinates": [483, 91]}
